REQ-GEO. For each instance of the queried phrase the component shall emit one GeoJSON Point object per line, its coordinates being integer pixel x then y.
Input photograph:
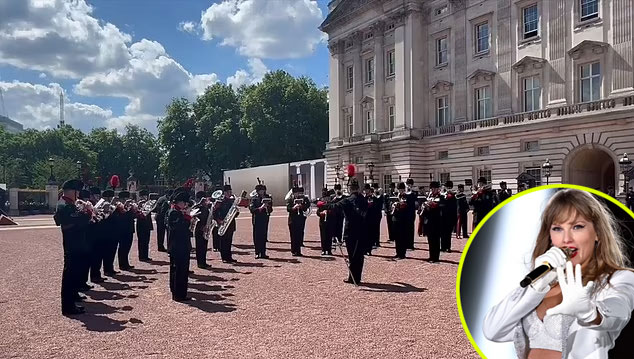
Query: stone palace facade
{"type": "Point", "coordinates": [457, 89]}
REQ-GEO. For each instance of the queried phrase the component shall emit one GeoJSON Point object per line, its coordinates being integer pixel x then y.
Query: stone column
{"type": "Point", "coordinates": [402, 63]}
{"type": "Point", "coordinates": [312, 180]}
{"type": "Point", "coordinates": [380, 118]}
{"type": "Point", "coordinates": [13, 199]}
{"type": "Point", "coordinates": [51, 194]}
{"type": "Point", "coordinates": [357, 89]}
{"type": "Point", "coordinates": [335, 91]}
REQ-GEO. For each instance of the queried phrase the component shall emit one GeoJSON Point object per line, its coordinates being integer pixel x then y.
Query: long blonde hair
{"type": "Point", "coordinates": [609, 252]}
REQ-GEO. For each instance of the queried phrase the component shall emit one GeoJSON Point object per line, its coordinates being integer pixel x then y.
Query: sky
{"type": "Point", "coordinates": [122, 61]}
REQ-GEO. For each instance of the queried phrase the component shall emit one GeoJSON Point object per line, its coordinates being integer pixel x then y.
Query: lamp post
{"type": "Point", "coordinates": [51, 178]}
{"type": "Point", "coordinates": [337, 169]}
{"type": "Point", "coordinates": [371, 169]}
{"type": "Point", "coordinates": [79, 170]}
{"type": "Point", "coordinates": [626, 164]}
{"type": "Point", "coordinates": [547, 167]}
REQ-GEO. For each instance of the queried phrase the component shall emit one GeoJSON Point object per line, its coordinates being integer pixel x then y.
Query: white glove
{"type": "Point", "coordinates": [556, 258]}
{"type": "Point", "coordinates": [576, 301]}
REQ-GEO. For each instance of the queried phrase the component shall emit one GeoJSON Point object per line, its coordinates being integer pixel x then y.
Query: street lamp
{"type": "Point", "coordinates": [51, 178]}
{"type": "Point", "coordinates": [625, 164]}
{"type": "Point", "coordinates": [371, 168]}
{"type": "Point", "coordinates": [78, 169]}
{"type": "Point", "coordinates": [337, 169]}
{"type": "Point", "coordinates": [547, 167]}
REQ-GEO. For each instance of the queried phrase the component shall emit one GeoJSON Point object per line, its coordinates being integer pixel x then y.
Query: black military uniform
{"type": "Point", "coordinates": [97, 243]}
{"type": "Point", "coordinates": [261, 206]}
{"type": "Point", "coordinates": [160, 208]}
{"type": "Point", "coordinates": [89, 244]}
{"type": "Point", "coordinates": [221, 209]}
{"type": "Point", "coordinates": [433, 225]}
{"type": "Point", "coordinates": [73, 223]}
{"type": "Point", "coordinates": [110, 234]}
{"type": "Point", "coordinates": [144, 229]}
{"type": "Point", "coordinates": [325, 222]}
{"type": "Point", "coordinates": [354, 208]}
{"type": "Point", "coordinates": [199, 230]}
{"type": "Point", "coordinates": [179, 245]}
{"type": "Point", "coordinates": [215, 239]}
{"type": "Point", "coordinates": [412, 197]}
{"type": "Point", "coordinates": [402, 223]}
{"type": "Point", "coordinates": [387, 207]}
{"type": "Point", "coordinates": [126, 233]}
{"type": "Point", "coordinates": [483, 201]}
{"type": "Point", "coordinates": [297, 220]}
{"type": "Point", "coordinates": [337, 215]}
{"type": "Point", "coordinates": [503, 193]}
{"type": "Point", "coordinates": [449, 217]}
{"type": "Point", "coordinates": [463, 212]}
{"type": "Point", "coordinates": [375, 215]}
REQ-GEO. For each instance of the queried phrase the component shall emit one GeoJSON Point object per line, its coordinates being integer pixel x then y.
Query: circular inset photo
{"type": "Point", "coordinates": [549, 275]}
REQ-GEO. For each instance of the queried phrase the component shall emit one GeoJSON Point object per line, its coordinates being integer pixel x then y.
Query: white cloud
{"type": "Point", "coordinates": [42, 75]}
{"type": "Point", "coordinates": [60, 38]}
{"type": "Point", "coordinates": [257, 70]}
{"type": "Point", "coordinates": [188, 26]}
{"type": "Point", "coordinates": [149, 82]}
{"type": "Point", "coordinates": [265, 29]}
{"type": "Point", "coordinates": [37, 106]}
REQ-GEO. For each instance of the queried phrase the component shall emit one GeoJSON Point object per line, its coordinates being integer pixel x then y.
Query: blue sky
{"type": "Point", "coordinates": [121, 61]}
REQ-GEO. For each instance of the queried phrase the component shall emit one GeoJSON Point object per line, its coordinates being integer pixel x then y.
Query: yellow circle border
{"type": "Point", "coordinates": [493, 211]}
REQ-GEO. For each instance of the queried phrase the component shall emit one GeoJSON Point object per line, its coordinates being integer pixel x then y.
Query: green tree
{"type": "Point", "coordinates": [108, 145]}
{"type": "Point", "coordinates": [180, 148]}
{"type": "Point", "coordinates": [286, 119]}
{"type": "Point", "coordinates": [141, 153]}
{"type": "Point", "coordinates": [64, 169]}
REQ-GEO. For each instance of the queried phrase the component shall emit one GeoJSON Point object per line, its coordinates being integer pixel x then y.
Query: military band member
{"type": "Point", "coordinates": [401, 220]}
{"type": "Point", "coordinates": [449, 217]}
{"type": "Point", "coordinates": [73, 223]}
{"type": "Point", "coordinates": [504, 193]}
{"type": "Point", "coordinates": [161, 207]}
{"type": "Point", "coordinates": [110, 232]}
{"type": "Point", "coordinates": [387, 207]}
{"type": "Point", "coordinates": [326, 229]}
{"type": "Point", "coordinates": [375, 215]}
{"type": "Point", "coordinates": [126, 231]}
{"type": "Point", "coordinates": [412, 196]}
{"type": "Point", "coordinates": [482, 201]}
{"type": "Point", "coordinates": [179, 245]}
{"type": "Point", "coordinates": [215, 239]}
{"type": "Point", "coordinates": [463, 213]}
{"type": "Point", "coordinates": [221, 209]}
{"type": "Point", "coordinates": [144, 228]}
{"type": "Point", "coordinates": [98, 246]}
{"type": "Point", "coordinates": [84, 195]}
{"type": "Point", "coordinates": [354, 207]}
{"type": "Point", "coordinates": [337, 215]}
{"type": "Point", "coordinates": [296, 206]}
{"type": "Point", "coordinates": [260, 207]}
{"type": "Point", "coordinates": [433, 222]}
{"type": "Point", "coordinates": [199, 231]}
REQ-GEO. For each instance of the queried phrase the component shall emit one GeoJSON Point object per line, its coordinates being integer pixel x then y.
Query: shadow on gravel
{"type": "Point", "coordinates": [143, 271]}
{"type": "Point", "coordinates": [115, 286]}
{"type": "Point", "coordinates": [283, 260]}
{"type": "Point", "coordinates": [244, 246]}
{"type": "Point", "coordinates": [207, 278]}
{"type": "Point", "coordinates": [223, 270]}
{"type": "Point", "coordinates": [206, 287]}
{"type": "Point", "coordinates": [159, 263]}
{"type": "Point", "coordinates": [94, 320]}
{"type": "Point", "coordinates": [441, 261]}
{"type": "Point", "coordinates": [278, 249]}
{"type": "Point", "coordinates": [103, 295]}
{"type": "Point", "coordinates": [399, 287]}
{"type": "Point", "coordinates": [133, 278]}
{"type": "Point", "coordinates": [205, 302]}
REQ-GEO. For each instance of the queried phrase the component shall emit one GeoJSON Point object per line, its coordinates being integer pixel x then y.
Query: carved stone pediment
{"type": "Point", "coordinates": [480, 75]}
{"type": "Point", "coordinates": [528, 62]}
{"type": "Point", "coordinates": [596, 47]}
{"type": "Point", "coordinates": [336, 47]}
{"type": "Point", "coordinates": [345, 10]}
{"type": "Point", "coordinates": [441, 86]}
{"type": "Point", "coordinates": [367, 102]}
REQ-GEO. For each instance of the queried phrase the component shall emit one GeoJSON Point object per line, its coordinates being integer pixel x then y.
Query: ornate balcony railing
{"type": "Point", "coordinates": [493, 122]}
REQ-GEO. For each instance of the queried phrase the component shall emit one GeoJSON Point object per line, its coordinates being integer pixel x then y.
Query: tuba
{"type": "Point", "coordinates": [233, 212]}
{"type": "Point", "coordinates": [211, 224]}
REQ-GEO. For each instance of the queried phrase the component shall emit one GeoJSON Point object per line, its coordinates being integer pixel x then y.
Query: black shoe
{"type": "Point", "coordinates": [145, 259]}
{"type": "Point", "coordinates": [264, 256]}
{"type": "Point", "coordinates": [162, 249]}
{"type": "Point", "coordinates": [191, 272]}
{"type": "Point", "coordinates": [349, 281]}
{"type": "Point", "coordinates": [215, 250]}
{"type": "Point", "coordinates": [448, 250]}
{"type": "Point", "coordinates": [329, 253]}
{"type": "Point", "coordinates": [73, 311]}
{"type": "Point", "coordinates": [233, 260]}
{"type": "Point", "coordinates": [98, 280]}
{"type": "Point", "coordinates": [204, 266]}
{"type": "Point", "coordinates": [111, 273]}
{"type": "Point", "coordinates": [79, 298]}
{"type": "Point", "coordinates": [323, 253]}
{"type": "Point", "coordinates": [185, 299]}
{"type": "Point", "coordinates": [126, 267]}
{"type": "Point", "coordinates": [432, 260]}
{"type": "Point", "coordinates": [257, 256]}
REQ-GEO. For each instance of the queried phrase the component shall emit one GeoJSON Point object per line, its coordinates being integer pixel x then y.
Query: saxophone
{"type": "Point", "coordinates": [233, 212]}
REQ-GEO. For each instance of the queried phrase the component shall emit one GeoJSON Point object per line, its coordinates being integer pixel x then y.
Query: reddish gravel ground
{"type": "Point", "coordinates": [278, 308]}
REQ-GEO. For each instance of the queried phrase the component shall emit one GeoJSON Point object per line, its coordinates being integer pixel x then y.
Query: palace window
{"type": "Point", "coordinates": [349, 77]}
{"type": "Point", "coordinates": [369, 35]}
{"type": "Point", "coordinates": [443, 155]}
{"type": "Point", "coordinates": [531, 21]}
{"type": "Point", "coordinates": [442, 111]}
{"type": "Point", "coordinates": [590, 82]}
{"type": "Point", "coordinates": [444, 177]}
{"type": "Point", "coordinates": [482, 37]}
{"type": "Point", "coordinates": [530, 146]}
{"type": "Point", "coordinates": [482, 151]}
{"type": "Point", "coordinates": [532, 94]}
{"type": "Point", "coordinates": [483, 107]}
{"type": "Point", "coordinates": [369, 70]}
{"type": "Point", "coordinates": [369, 122]}
{"type": "Point", "coordinates": [486, 174]}
{"type": "Point", "coordinates": [441, 10]}
{"type": "Point", "coordinates": [349, 126]}
{"type": "Point", "coordinates": [387, 179]}
{"type": "Point", "coordinates": [387, 158]}
{"type": "Point", "coordinates": [391, 64]}
{"type": "Point", "coordinates": [589, 9]}
{"type": "Point", "coordinates": [391, 115]}
{"type": "Point", "coordinates": [441, 51]}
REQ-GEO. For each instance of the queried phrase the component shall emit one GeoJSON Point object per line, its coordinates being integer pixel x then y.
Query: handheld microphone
{"type": "Point", "coordinates": [535, 274]}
